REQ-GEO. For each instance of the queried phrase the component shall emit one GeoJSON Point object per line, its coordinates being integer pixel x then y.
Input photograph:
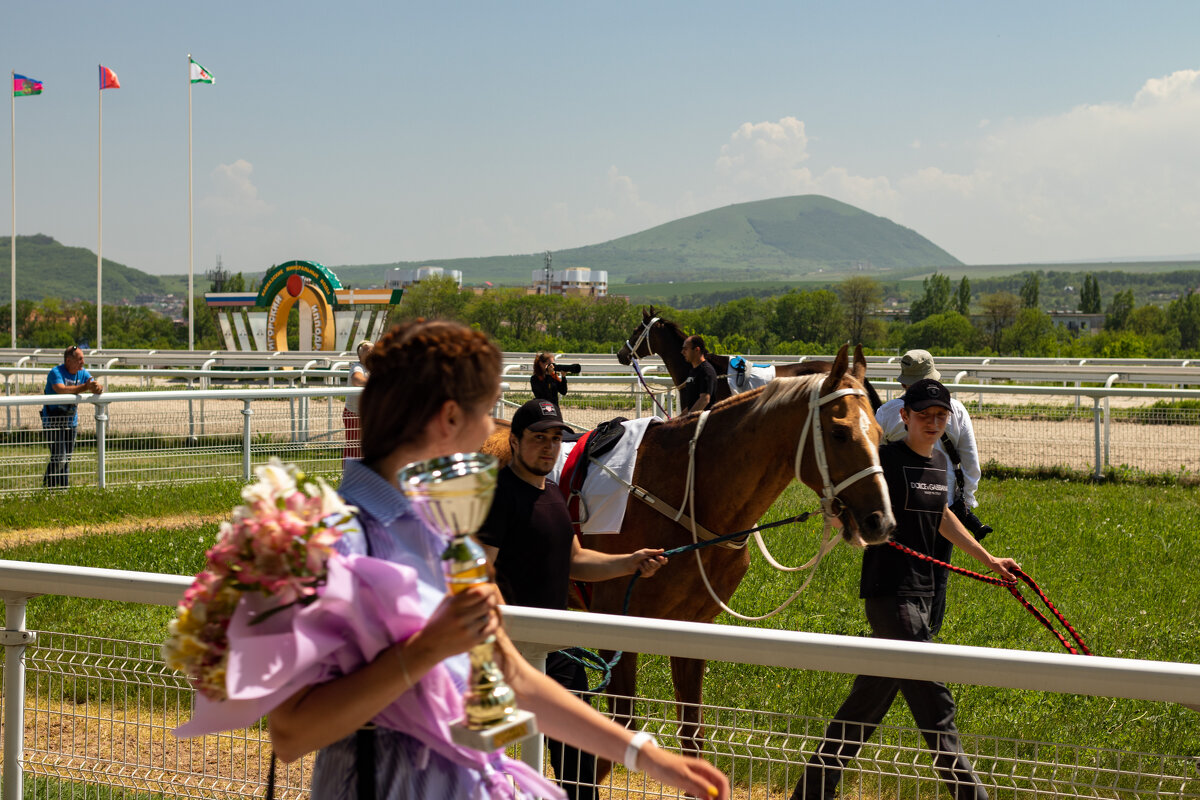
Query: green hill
{"type": "Point", "coordinates": [779, 239]}
{"type": "Point", "coordinates": [46, 268]}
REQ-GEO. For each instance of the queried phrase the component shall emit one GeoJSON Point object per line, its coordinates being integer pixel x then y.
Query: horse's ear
{"type": "Point", "coordinates": [837, 371]}
{"type": "Point", "coordinates": [646, 315]}
{"type": "Point", "coordinates": [860, 364]}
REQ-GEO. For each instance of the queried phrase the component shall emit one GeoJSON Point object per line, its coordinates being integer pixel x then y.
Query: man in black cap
{"type": "Point", "coordinates": [898, 591]}
{"type": "Point", "coordinates": [529, 541]}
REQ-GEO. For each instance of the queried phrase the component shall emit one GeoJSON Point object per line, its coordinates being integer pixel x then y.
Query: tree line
{"type": "Point", "coordinates": [947, 318]}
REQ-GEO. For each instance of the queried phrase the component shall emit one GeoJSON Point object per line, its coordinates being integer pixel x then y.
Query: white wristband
{"type": "Point", "coordinates": [634, 747]}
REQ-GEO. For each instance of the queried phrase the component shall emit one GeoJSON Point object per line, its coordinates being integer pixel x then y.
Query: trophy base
{"type": "Point", "coordinates": [522, 725]}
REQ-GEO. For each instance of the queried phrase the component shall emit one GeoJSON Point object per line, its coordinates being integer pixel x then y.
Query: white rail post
{"type": "Point", "coordinates": [15, 639]}
{"type": "Point", "coordinates": [1108, 414]}
{"type": "Point", "coordinates": [1099, 471]}
{"type": "Point", "coordinates": [205, 383]}
{"type": "Point", "coordinates": [246, 413]}
{"type": "Point", "coordinates": [101, 434]}
{"type": "Point", "coordinates": [191, 416]}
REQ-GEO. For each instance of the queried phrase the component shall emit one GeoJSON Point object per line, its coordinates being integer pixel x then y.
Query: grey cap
{"type": "Point", "coordinates": [917, 365]}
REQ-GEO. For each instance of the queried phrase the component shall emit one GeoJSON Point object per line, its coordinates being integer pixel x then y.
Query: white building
{"type": "Point", "coordinates": [574, 282]}
{"type": "Point", "coordinates": [403, 278]}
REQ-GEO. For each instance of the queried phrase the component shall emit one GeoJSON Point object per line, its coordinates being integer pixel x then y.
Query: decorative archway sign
{"type": "Point", "coordinates": [331, 318]}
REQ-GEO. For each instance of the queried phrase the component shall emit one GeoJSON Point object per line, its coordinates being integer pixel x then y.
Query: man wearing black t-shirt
{"type": "Point", "coordinates": [698, 391]}
{"type": "Point", "coordinates": [529, 541]}
{"type": "Point", "coordinates": [898, 591]}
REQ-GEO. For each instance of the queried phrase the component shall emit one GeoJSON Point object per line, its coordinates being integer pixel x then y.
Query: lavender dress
{"type": "Point", "coordinates": [404, 767]}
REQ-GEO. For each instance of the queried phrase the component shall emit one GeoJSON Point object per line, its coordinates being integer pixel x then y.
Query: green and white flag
{"type": "Point", "coordinates": [198, 73]}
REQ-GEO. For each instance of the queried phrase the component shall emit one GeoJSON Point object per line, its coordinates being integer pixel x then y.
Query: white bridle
{"type": "Point", "coordinates": [645, 334]}
{"type": "Point", "coordinates": [637, 368]}
{"type": "Point", "coordinates": [829, 496]}
{"type": "Point", "coordinates": [829, 492]}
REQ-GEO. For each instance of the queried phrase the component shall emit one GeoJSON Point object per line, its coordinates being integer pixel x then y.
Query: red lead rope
{"type": "Point", "coordinates": [1014, 589]}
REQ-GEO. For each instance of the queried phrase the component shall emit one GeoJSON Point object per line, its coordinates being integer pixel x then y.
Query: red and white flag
{"type": "Point", "coordinates": [108, 79]}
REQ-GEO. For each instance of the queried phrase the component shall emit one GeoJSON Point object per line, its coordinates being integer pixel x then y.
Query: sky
{"type": "Point", "coordinates": [369, 132]}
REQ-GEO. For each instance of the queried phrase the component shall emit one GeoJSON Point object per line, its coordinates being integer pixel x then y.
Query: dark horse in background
{"type": "Point", "coordinates": [656, 335]}
{"type": "Point", "coordinates": [745, 457]}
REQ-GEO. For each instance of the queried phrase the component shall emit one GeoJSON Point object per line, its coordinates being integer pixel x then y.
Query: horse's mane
{"type": "Point", "coordinates": [778, 392]}
{"type": "Point", "coordinates": [784, 391]}
{"type": "Point", "coordinates": [673, 327]}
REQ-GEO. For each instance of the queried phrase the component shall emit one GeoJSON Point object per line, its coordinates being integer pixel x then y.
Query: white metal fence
{"type": "Point", "coordinates": [146, 437]}
{"type": "Point", "coordinates": [89, 717]}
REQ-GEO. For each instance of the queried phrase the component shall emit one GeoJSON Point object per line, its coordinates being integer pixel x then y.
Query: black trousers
{"type": "Point", "coordinates": [575, 769]}
{"type": "Point", "coordinates": [60, 435]}
{"type": "Point", "coordinates": [871, 697]}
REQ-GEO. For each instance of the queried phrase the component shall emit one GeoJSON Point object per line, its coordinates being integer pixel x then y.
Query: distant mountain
{"type": "Point", "coordinates": [46, 268]}
{"type": "Point", "coordinates": [779, 239]}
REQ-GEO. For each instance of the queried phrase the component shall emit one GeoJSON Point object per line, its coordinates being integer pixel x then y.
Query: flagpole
{"type": "Point", "coordinates": [191, 246]}
{"type": "Point", "coordinates": [13, 243]}
{"type": "Point", "coordinates": [99, 213]}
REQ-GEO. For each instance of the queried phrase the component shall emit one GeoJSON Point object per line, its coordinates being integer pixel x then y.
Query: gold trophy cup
{"type": "Point", "coordinates": [452, 495]}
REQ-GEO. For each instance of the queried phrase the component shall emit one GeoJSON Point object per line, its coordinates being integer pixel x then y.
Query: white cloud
{"type": "Point", "coordinates": [1094, 181]}
{"type": "Point", "coordinates": [234, 192]}
{"type": "Point", "coordinates": [1112, 179]}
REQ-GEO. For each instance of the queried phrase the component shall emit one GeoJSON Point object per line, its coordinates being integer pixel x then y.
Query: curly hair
{"type": "Point", "coordinates": [414, 370]}
{"type": "Point", "coordinates": [539, 364]}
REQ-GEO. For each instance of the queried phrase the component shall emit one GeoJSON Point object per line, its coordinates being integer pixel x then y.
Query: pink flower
{"type": "Point", "coordinates": [277, 544]}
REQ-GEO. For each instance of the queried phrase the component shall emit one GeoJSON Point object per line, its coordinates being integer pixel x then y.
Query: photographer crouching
{"type": "Point", "coordinates": [549, 380]}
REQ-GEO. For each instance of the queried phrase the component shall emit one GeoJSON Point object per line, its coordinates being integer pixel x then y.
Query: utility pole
{"type": "Point", "coordinates": [548, 259]}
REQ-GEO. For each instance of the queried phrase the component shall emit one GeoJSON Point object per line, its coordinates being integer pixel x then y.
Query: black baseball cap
{"type": "Point", "coordinates": [537, 415]}
{"type": "Point", "coordinates": [925, 393]}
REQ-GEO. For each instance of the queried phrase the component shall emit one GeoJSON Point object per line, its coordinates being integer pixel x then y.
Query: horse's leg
{"type": "Point", "coordinates": [688, 676]}
{"type": "Point", "coordinates": [622, 687]}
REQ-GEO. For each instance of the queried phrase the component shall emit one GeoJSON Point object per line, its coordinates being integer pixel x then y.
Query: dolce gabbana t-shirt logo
{"type": "Point", "coordinates": [926, 489]}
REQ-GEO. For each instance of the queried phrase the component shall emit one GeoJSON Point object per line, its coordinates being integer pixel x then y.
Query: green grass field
{"type": "Point", "coordinates": [1118, 560]}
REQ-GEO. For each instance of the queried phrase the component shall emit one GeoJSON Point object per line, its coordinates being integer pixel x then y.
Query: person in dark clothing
{"type": "Point", "coordinates": [898, 590]}
{"type": "Point", "coordinates": [697, 392]}
{"type": "Point", "coordinates": [528, 539]}
{"type": "Point", "coordinates": [547, 382]}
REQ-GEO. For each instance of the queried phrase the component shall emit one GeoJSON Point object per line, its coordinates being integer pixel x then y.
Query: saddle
{"type": "Point", "coordinates": [592, 444]}
{"type": "Point", "coordinates": [737, 365]}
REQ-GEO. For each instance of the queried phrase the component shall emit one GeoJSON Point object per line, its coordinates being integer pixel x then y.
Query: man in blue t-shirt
{"type": "Point", "coordinates": [62, 421]}
{"type": "Point", "coordinates": [898, 591]}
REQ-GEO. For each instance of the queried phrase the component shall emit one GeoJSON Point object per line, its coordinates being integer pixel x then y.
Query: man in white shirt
{"type": "Point", "coordinates": [963, 475]}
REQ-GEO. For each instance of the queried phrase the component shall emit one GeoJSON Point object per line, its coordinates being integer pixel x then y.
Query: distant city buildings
{"type": "Point", "coordinates": [404, 278]}
{"type": "Point", "coordinates": [574, 282]}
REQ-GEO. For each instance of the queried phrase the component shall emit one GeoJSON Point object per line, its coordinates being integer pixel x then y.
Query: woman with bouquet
{"type": "Point", "coordinates": [431, 389]}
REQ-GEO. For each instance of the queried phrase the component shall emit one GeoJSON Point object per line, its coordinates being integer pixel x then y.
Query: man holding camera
{"type": "Point", "coordinates": [958, 445]}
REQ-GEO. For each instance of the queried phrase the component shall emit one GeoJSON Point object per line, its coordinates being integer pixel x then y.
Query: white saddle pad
{"type": "Point", "coordinates": [756, 375]}
{"type": "Point", "coordinates": [602, 496]}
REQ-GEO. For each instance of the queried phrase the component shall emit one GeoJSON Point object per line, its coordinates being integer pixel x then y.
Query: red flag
{"type": "Point", "coordinates": [108, 79]}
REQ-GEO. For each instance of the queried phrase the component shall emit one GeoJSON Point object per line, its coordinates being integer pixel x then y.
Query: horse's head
{"type": "Point", "coordinates": [847, 440]}
{"type": "Point", "coordinates": [638, 343]}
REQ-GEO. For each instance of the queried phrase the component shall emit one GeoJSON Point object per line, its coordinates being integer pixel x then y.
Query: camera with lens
{"type": "Point", "coordinates": [972, 523]}
{"type": "Point", "coordinates": [569, 369]}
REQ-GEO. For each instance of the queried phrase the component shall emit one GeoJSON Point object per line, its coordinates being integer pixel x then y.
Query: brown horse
{"type": "Point", "coordinates": [745, 457]}
{"type": "Point", "coordinates": [655, 335]}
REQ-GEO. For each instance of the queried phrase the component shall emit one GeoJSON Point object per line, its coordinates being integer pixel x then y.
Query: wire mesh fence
{"type": "Point", "coordinates": [99, 714]}
{"type": "Point", "coordinates": [159, 437]}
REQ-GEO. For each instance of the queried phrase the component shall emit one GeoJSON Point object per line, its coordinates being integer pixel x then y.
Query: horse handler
{"type": "Point", "coordinates": [898, 590]}
{"type": "Point", "coordinates": [529, 541]}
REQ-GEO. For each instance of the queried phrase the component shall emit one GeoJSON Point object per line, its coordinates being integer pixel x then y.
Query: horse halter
{"type": "Point", "coordinates": [637, 367]}
{"type": "Point", "coordinates": [642, 337]}
{"type": "Point", "coordinates": [831, 504]}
